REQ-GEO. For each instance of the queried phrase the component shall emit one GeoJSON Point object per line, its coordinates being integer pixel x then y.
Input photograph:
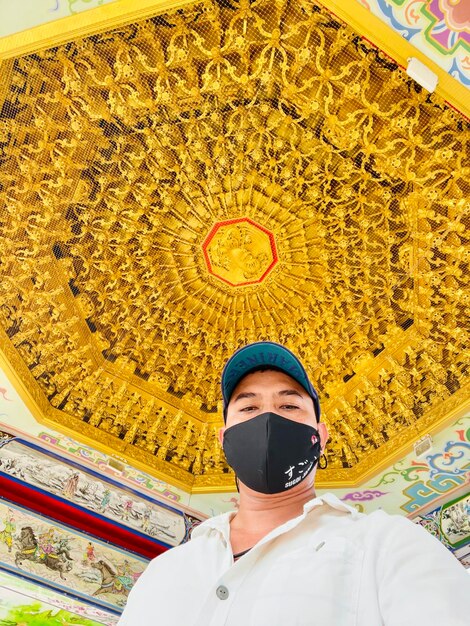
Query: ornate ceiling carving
{"type": "Point", "coordinates": [224, 173]}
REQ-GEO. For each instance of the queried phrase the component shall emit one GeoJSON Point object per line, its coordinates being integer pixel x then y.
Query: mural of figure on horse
{"type": "Point", "coordinates": [125, 576]}
{"type": "Point", "coordinates": [30, 550]}
{"type": "Point", "coordinates": [45, 542]}
{"type": "Point", "coordinates": [62, 547]}
{"type": "Point", "coordinates": [115, 579]}
{"type": "Point", "coordinates": [46, 550]}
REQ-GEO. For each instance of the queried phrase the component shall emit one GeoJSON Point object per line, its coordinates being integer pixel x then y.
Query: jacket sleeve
{"type": "Point", "coordinates": [420, 581]}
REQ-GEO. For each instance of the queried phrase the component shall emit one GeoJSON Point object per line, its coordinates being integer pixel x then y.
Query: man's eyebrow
{"type": "Point", "coordinates": [245, 394]}
{"type": "Point", "coordinates": [290, 392]}
{"type": "Point", "coordinates": [284, 392]}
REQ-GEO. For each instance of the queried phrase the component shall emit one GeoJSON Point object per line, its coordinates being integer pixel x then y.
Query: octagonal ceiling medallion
{"type": "Point", "coordinates": [240, 252]}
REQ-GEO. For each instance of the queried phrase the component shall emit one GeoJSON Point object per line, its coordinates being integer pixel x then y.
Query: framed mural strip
{"type": "Point", "coordinates": [90, 499]}
{"type": "Point", "coordinates": [15, 491]}
{"type": "Point", "coordinates": [70, 562]}
{"type": "Point", "coordinates": [450, 523]}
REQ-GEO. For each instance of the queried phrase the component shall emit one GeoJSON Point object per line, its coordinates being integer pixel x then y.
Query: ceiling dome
{"type": "Point", "coordinates": [220, 174]}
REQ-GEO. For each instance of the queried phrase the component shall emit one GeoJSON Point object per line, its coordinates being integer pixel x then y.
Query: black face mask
{"type": "Point", "coordinates": [270, 453]}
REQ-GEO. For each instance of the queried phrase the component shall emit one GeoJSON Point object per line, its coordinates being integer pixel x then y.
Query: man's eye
{"type": "Point", "coordinates": [289, 406]}
{"type": "Point", "coordinates": [248, 408]}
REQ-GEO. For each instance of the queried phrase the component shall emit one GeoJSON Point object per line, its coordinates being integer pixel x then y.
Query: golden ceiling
{"type": "Point", "coordinates": [223, 173]}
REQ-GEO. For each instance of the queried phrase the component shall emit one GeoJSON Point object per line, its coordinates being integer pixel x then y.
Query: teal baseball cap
{"type": "Point", "coordinates": [269, 355]}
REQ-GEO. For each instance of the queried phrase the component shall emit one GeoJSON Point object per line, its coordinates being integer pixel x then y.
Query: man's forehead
{"type": "Point", "coordinates": [267, 380]}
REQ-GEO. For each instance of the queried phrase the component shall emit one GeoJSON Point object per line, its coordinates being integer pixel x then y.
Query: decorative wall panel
{"type": "Point", "coordinates": [450, 523]}
{"type": "Point", "coordinates": [71, 482]}
{"type": "Point", "coordinates": [111, 466]}
{"type": "Point", "coordinates": [415, 483]}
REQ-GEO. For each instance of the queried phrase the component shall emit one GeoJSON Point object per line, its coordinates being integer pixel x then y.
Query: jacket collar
{"type": "Point", "coordinates": [221, 523]}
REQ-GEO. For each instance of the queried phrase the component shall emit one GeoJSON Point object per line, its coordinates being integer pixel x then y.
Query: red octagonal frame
{"type": "Point", "coordinates": [213, 232]}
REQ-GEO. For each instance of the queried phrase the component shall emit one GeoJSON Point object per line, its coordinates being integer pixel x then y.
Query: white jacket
{"type": "Point", "coordinates": [331, 566]}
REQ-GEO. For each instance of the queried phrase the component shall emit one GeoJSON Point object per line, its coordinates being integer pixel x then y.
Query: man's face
{"type": "Point", "coordinates": [275, 392]}
{"type": "Point", "coordinates": [270, 391]}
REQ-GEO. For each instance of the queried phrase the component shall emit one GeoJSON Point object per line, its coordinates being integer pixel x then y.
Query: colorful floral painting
{"type": "Point", "coordinates": [72, 562]}
{"type": "Point", "coordinates": [449, 24]}
{"type": "Point", "coordinates": [438, 28]}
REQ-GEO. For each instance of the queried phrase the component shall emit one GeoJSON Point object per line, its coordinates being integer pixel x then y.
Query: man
{"type": "Point", "coordinates": [288, 557]}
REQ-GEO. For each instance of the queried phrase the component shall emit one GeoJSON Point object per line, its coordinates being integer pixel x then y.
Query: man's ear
{"type": "Point", "coordinates": [324, 435]}
{"type": "Point", "coordinates": [221, 435]}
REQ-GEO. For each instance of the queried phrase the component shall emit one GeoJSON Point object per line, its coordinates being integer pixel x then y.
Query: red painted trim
{"type": "Point", "coordinates": [61, 512]}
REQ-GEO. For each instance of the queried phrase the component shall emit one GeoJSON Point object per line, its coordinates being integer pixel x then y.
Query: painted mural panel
{"type": "Point", "coordinates": [72, 562]}
{"type": "Point", "coordinates": [450, 523]}
{"type": "Point", "coordinates": [91, 491]}
{"type": "Point", "coordinates": [26, 603]}
{"type": "Point", "coordinates": [455, 521]}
